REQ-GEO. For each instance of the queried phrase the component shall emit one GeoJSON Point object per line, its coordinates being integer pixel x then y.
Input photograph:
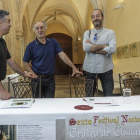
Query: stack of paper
{"type": "Point", "coordinates": [18, 103]}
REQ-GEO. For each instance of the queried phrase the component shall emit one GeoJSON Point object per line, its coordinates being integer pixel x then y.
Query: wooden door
{"type": "Point", "coordinates": [65, 42]}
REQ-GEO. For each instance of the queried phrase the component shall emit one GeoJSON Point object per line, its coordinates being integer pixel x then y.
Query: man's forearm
{"type": "Point", "coordinates": [14, 66]}
{"type": "Point", "coordinates": [100, 52]}
{"type": "Point", "coordinates": [28, 67]}
{"type": "Point", "coordinates": [1, 87]}
{"type": "Point", "coordinates": [4, 95]}
{"type": "Point", "coordinates": [94, 48]}
{"type": "Point", "coordinates": [66, 60]}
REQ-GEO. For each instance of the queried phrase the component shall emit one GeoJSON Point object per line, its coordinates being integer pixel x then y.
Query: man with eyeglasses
{"type": "Point", "coordinates": [99, 45]}
{"type": "Point", "coordinates": [41, 52]}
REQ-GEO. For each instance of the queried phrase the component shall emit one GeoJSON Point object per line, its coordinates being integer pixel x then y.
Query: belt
{"type": "Point", "coordinates": [44, 75]}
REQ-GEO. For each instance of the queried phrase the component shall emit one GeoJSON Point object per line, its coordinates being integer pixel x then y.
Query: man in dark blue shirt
{"type": "Point", "coordinates": [41, 52]}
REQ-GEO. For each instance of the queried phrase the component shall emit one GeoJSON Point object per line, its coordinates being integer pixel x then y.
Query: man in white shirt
{"type": "Point", "coordinates": [99, 45]}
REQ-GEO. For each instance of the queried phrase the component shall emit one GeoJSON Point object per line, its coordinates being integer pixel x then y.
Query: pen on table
{"type": "Point", "coordinates": [102, 103]}
{"type": "Point", "coordinates": [84, 100]}
{"type": "Point", "coordinates": [113, 105]}
{"type": "Point", "coordinates": [33, 101]}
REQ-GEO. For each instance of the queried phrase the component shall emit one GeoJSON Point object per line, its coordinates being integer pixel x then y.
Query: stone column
{"type": "Point", "coordinates": [18, 48]}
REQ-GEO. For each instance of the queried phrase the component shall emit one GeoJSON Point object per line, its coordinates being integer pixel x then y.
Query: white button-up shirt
{"type": "Point", "coordinates": [99, 63]}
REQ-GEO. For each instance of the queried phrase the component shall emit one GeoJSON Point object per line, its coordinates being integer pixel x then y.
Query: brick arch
{"type": "Point", "coordinates": [64, 11]}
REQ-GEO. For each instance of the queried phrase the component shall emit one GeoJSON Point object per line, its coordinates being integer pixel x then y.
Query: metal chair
{"type": "Point", "coordinates": [82, 87]}
{"type": "Point", "coordinates": [131, 81]}
{"type": "Point", "coordinates": [23, 87]}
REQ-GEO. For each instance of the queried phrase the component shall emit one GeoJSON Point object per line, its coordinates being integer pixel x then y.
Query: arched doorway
{"type": "Point", "coordinates": [65, 42]}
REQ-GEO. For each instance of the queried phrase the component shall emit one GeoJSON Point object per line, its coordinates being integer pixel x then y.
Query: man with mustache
{"type": "Point", "coordinates": [99, 45]}
{"type": "Point", "coordinates": [5, 57]}
{"type": "Point", "coordinates": [42, 52]}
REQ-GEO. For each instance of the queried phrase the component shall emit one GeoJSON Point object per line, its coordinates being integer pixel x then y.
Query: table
{"type": "Point", "coordinates": [49, 119]}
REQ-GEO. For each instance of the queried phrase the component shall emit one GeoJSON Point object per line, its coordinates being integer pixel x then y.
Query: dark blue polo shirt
{"type": "Point", "coordinates": [42, 56]}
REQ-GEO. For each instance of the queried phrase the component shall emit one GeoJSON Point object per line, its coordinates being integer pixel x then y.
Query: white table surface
{"type": "Point", "coordinates": [62, 106]}
{"type": "Point", "coordinates": [53, 116]}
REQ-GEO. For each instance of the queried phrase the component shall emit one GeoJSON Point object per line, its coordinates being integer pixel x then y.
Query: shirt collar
{"type": "Point", "coordinates": [99, 30]}
{"type": "Point", "coordinates": [37, 41]}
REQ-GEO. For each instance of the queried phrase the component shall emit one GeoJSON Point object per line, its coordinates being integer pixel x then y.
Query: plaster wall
{"type": "Point", "coordinates": [126, 24]}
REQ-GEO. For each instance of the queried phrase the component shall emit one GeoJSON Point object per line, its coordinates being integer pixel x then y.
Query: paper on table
{"type": "Point", "coordinates": [18, 103]}
{"type": "Point", "coordinates": [102, 101]}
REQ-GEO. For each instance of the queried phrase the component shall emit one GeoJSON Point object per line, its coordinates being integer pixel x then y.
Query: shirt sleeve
{"type": "Point", "coordinates": [86, 46]}
{"type": "Point", "coordinates": [58, 49]}
{"type": "Point", "coordinates": [28, 54]}
{"type": "Point", "coordinates": [8, 55]}
{"type": "Point", "coordinates": [112, 43]}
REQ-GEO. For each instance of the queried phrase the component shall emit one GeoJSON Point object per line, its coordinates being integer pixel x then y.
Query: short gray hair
{"type": "Point", "coordinates": [45, 25]}
{"type": "Point", "coordinates": [3, 13]}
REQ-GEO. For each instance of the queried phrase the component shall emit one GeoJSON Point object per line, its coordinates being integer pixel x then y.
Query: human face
{"type": "Point", "coordinates": [97, 19]}
{"type": "Point", "coordinates": [6, 25]}
{"type": "Point", "coordinates": [40, 30]}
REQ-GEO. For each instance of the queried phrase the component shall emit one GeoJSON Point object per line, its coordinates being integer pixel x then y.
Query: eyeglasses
{"type": "Point", "coordinates": [95, 37]}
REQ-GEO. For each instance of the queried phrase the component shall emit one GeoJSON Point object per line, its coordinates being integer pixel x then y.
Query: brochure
{"type": "Point", "coordinates": [18, 103]}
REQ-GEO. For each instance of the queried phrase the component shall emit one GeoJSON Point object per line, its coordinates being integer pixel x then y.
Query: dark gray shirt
{"type": "Point", "coordinates": [99, 63]}
{"type": "Point", "coordinates": [4, 55]}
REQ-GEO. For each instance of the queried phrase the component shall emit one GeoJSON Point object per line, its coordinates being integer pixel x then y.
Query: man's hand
{"type": "Point", "coordinates": [105, 46]}
{"type": "Point", "coordinates": [101, 51]}
{"type": "Point", "coordinates": [87, 41]}
{"type": "Point", "coordinates": [76, 72]}
{"type": "Point", "coordinates": [30, 75]}
{"type": "Point", "coordinates": [4, 95]}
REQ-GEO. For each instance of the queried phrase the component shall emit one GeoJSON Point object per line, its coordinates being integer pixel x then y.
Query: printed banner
{"type": "Point", "coordinates": [103, 126]}
{"type": "Point", "coordinates": [27, 127]}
